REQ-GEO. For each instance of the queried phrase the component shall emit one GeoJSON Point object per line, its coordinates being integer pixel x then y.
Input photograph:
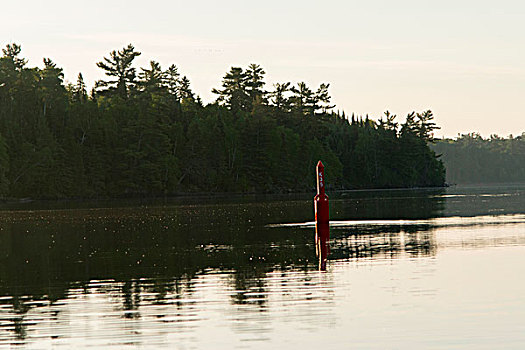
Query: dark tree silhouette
{"type": "Point", "coordinates": [149, 134]}
{"type": "Point", "coordinates": [119, 68]}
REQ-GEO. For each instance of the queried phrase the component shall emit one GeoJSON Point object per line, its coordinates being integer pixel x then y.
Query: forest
{"type": "Point", "coordinates": [472, 159]}
{"type": "Point", "coordinates": [144, 132]}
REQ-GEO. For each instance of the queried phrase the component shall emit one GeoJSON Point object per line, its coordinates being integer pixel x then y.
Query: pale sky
{"type": "Point", "coordinates": [464, 60]}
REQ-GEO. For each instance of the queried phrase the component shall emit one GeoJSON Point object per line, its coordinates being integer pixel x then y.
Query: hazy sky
{"type": "Point", "coordinates": [464, 60]}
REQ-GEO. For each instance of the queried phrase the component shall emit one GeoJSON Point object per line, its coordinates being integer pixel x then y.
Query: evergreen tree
{"type": "Point", "coordinates": [425, 125]}
{"type": "Point", "coordinates": [79, 92]}
{"type": "Point", "coordinates": [172, 81]}
{"type": "Point", "coordinates": [153, 78]}
{"type": "Point", "coordinates": [119, 68]}
{"type": "Point", "coordinates": [322, 98]}
{"type": "Point", "coordinates": [254, 84]}
{"type": "Point", "coordinates": [410, 125]}
{"type": "Point", "coordinates": [389, 122]}
{"type": "Point", "coordinates": [234, 94]}
{"type": "Point", "coordinates": [185, 92]}
{"type": "Point", "coordinates": [54, 96]}
{"type": "Point", "coordinates": [303, 100]}
{"type": "Point", "coordinates": [11, 52]}
{"type": "Point", "coordinates": [279, 98]}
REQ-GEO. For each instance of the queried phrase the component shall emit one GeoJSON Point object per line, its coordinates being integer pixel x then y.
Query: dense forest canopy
{"type": "Point", "coordinates": [145, 132]}
{"type": "Point", "coordinates": [472, 159]}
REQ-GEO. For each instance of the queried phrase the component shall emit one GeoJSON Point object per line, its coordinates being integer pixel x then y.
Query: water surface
{"type": "Point", "coordinates": [433, 269]}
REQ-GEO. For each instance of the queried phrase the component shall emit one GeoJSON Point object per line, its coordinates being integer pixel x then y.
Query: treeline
{"type": "Point", "coordinates": [145, 132]}
{"type": "Point", "coordinates": [472, 159]}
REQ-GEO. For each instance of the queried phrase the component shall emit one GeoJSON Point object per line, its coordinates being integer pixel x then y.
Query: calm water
{"type": "Point", "coordinates": [440, 269]}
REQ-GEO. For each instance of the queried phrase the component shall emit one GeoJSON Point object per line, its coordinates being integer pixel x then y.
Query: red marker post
{"type": "Point", "coordinates": [322, 218]}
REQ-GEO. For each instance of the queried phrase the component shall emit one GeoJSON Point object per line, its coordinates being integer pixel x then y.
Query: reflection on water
{"type": "Point", "coordinates": [246, 274]}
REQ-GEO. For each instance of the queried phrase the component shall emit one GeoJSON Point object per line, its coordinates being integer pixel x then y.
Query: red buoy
{"type": "Point", "coordinates": [322, 218]}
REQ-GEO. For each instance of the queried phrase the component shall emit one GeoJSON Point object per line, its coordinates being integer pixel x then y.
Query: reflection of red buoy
{"type": "Point", "coordinates": [322, 249]}
{"type": "Point", "coordinates": [322, 218]}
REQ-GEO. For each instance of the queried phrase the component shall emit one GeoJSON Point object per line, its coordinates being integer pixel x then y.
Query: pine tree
{"type": "Point", "coordinates": [233, 94]}
{"type": "Point", "coordinates": [303, 99]}
{"type": "Point", "coordinates": [279, 98]}
{"type": "Point", "coordinates": [79, 90]}
{"type": "Point", "coordinates": [152, 79]}
{"type": "Point", "coordinates": [172, 81]}
{"type": "Point", "coordinates": [12, 51]}
{"type": "Point", "coordinates": [425, 125]}
{"type": "Point", "coordinates": [185, 92]}
{"type": "Point", "coordinates": [119, 67]}
{"type": "Point", "coordinates": [254, 82]}
{"type": "Point", "coordinates": [322, 98]}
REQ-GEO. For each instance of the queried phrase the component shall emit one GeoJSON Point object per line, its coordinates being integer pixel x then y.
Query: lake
{"type": "Point", "coordinates": [407, 269]}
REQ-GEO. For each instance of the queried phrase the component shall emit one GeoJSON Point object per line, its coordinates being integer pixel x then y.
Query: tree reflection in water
{"type": "Point", "coordinates": [153, 256]}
